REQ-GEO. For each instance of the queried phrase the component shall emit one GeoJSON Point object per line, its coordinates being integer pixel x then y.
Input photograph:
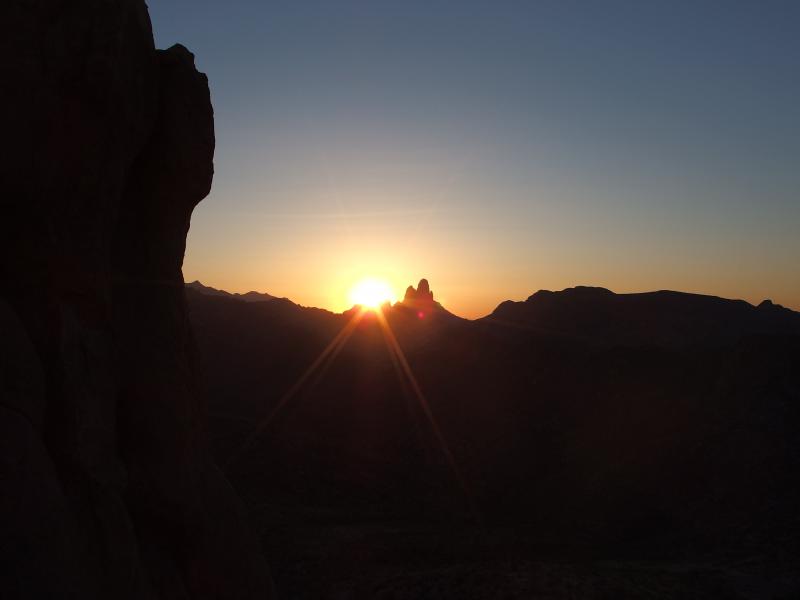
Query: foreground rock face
{"type": "Point", "coordinates": [108, 489]}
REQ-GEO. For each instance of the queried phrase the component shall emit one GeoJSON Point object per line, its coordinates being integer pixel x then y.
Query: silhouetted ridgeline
{"type": "Point", "coordinates": [657, 426]}
{"type": "Point", "coordinates": [665, 318]}
{"type": "Point", "coordinates": [247, 297]}
{"type": "Point", "coordinates": [107, 488]}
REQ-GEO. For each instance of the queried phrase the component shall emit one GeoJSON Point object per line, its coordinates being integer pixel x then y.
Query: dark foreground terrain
{"type": "Point", "coordinates": [578, 445]}
{"type": "Point", "coordinates": [602, 445]}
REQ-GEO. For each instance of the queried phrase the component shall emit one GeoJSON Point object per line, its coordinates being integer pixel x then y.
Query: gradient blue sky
{"type": "Point", "coordinates": [498, 147]}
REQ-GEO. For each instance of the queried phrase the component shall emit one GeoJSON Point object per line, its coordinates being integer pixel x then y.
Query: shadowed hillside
{"type": "Point", "coordinates": [583, 426]}
{"type": "Point", "coordinates": [665, 318]}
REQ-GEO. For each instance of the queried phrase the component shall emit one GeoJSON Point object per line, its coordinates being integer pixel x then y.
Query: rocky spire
{"type": "Point", "coordinates": [424, 290]}
{"type": "Point", "coordinates": [420, 299]}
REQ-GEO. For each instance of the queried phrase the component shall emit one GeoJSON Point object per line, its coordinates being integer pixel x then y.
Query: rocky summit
{"type": "Point", "coordinates": [420, 299]}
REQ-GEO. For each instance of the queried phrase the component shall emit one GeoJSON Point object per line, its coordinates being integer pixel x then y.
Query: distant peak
{"type": "Point", "coordinates": [420, 299]}
{"type": "Point", "coordinates": [770, 305]}
{"type": "Point", "coordinates": [589, 290]}
{"type": "Point", "coordinates": [423, 292]}
{"type": "Point", "coordinates": [584, 291]}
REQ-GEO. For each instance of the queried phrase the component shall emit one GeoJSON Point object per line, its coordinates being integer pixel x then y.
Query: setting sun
{"type": "Point", "coordinates": [371, 293]}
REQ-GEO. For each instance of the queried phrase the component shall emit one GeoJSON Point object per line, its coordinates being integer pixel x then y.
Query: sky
{"type": "Point", "coordinates": [497, 148]}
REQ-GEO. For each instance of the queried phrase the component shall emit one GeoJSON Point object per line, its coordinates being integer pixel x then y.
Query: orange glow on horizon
{"type": "Point", "coordinates": [371, 293]}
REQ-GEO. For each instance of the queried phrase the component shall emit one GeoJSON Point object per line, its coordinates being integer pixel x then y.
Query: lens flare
{"type": "Point", "coordinates": [371, 293]}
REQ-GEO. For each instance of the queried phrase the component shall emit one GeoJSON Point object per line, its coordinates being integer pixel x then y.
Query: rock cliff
{"type": "Point", "coordinates": [108, 488]}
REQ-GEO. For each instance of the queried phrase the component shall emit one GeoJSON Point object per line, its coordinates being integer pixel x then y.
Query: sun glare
{"type": "Point", "coordinates": [371, 293]}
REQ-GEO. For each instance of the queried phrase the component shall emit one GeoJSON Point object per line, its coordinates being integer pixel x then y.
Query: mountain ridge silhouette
{"type": "Point", "coordinates": [584, 421]}
{"type": "Point", "coordinates": [251, 296]}
{"type": "Point", "coordinates": [599, 315]}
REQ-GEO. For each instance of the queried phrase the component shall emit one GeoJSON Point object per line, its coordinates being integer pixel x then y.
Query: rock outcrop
{"type": "Point", "coordinates": [108, 488]}
{"type": "Point", "coordinates": [420, 299]}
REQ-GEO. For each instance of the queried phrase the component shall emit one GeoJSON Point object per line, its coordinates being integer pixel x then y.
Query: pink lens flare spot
{"type": "Point", "coordinates": [421, 315]}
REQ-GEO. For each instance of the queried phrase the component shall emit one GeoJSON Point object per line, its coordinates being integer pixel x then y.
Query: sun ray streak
{"type": "Point", "coordinates": [400, 358]}
{"type": "Point", "coordinates": [321, 363]}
